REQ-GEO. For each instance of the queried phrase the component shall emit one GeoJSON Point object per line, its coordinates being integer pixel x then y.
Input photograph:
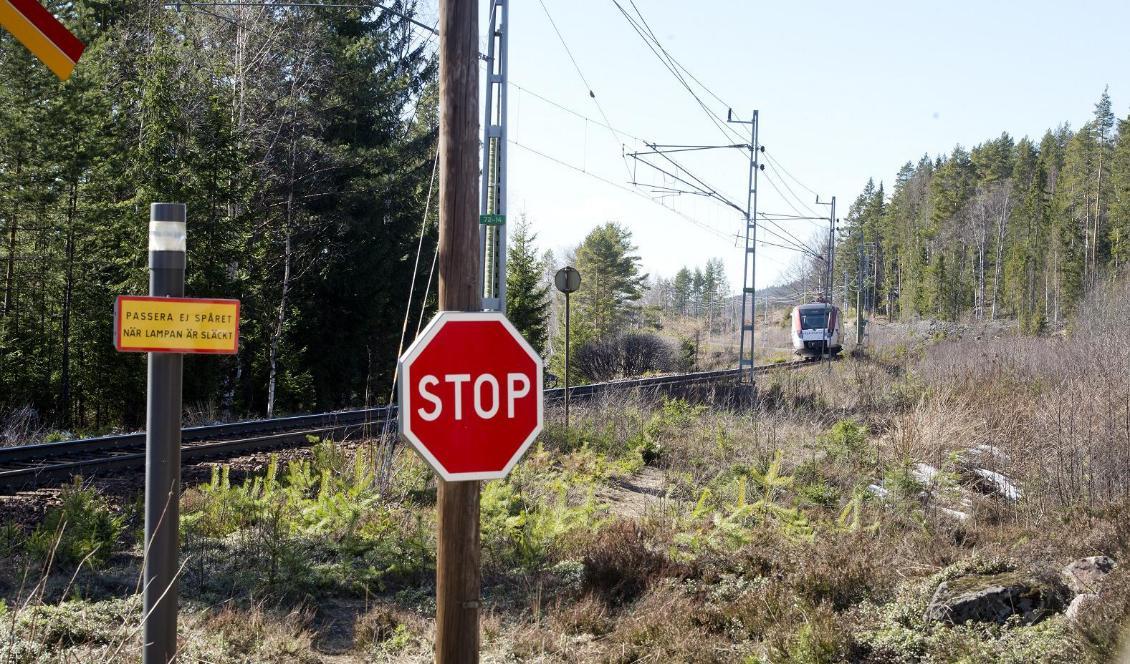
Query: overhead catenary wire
{"type": "Point", "coordinates": [701, 189]}
{"type": "Point", "coordinates": [784, 197]}
{"type": "Point", "coordinates": [793, 243]}
{"type": "Point", "coordinates": [792, 238]}
{"type": "Point", "coordinates": [666, 60]}
{"type": "Point", "coordinates": [777, 164]}
{"type": "Point", "coordinates": [710, 229]}
{"type": "Point", "coordinates": [592, 94]}
{"type": "Point", "coordinates": [643, 29]}
{"type": "Point", "coordinates": [716, 119]}
{"type": "Point", "coordinates": [574, 112]}
{"type": "Point", "coordinates": [797, 198]}
{"type": "Point", "coordinates": [699, 186]}
{"type": "Point", "coordinates": [713, 231]}
{"type": "Point", "coordinates": [779, 246]}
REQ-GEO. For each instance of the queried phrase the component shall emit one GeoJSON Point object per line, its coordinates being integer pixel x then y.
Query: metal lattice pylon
{"type": "Point", "coordinates": [492, 236]}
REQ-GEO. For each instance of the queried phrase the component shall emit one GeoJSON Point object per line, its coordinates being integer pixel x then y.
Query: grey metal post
{"type": "Point", "coordinates": [859, 299]}
{"type": "Point", "coordinates": [162, 445]}
{"type": "Point", "coordinates": [567, 280]}
{"type": "Point", "coordinates": [749, 256]}
{"type": "Point", "coordinates": [566, 365]}
{"type": "Point", "coordinates": [832, 254]}
{"type": "Point", "coordinates": [830, 273]}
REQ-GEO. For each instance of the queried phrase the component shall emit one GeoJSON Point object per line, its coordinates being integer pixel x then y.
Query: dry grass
{"type": "Point", "coordinates": [702, 576]}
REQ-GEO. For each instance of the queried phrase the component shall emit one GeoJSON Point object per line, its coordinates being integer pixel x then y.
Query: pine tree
{"type": "Point", "coordinates": [682, 291]}
{"type": "Point", "coordinates": [1026, 240]}
{"type": "Point", "coordinates": [1120, 196]}
{"type": "Point", "coordinates": [611, 286]}
{"type": "Point", "coordinates": [1103, 127]}
{"type": "Point", "coordinates": [698, 292]}
{"type": "Point", "coordinates": [527, 292]}
{"type": "Point", "coordinates": [1073, 218]}
{"type": "Point", "coordinates": [715, 289]}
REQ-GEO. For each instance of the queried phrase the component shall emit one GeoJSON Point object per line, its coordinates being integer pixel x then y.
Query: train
{"type": "Point", "coordinates": [817, 330]}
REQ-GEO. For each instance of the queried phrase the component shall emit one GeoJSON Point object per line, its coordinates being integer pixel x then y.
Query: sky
{"type": "Point", "coordinates": [845, 92]}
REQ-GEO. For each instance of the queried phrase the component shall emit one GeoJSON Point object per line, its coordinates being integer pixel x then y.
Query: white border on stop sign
{"type": "Point", "coordinates": [410, 355]}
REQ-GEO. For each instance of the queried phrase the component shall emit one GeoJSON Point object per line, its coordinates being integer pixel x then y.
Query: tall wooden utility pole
{"type": "Point", "coordinates": [457, 555]}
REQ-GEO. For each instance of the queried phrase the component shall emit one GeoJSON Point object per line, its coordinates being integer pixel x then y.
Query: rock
{"type": "Point", "coordinates": [924, 472]}
{"type": "Point", "coordinates": [988, 453]}
{"type": "Point", "coordinates": [879, 491]}
{"type": "Point", "coordinates": [1084, 575]}
{"type": "Point", "coordinates": [994, 598]}
{"type": "Point", "coordinates": [991, 481]}
{"type": "Point", "coordinates": [1081, 605]}
{"type": "Point", "coordinates": [953, 514]}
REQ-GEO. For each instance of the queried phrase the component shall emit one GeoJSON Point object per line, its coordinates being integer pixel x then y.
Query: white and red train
{"type": "Point", "coordinates": [817, 330]}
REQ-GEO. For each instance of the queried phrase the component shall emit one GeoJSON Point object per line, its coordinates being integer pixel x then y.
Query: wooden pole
{"type": "Point", "coordinates": [457, 555]}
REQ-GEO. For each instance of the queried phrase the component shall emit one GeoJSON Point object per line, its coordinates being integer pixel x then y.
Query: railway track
{"type": "Point", "coordinates": [31, 466]}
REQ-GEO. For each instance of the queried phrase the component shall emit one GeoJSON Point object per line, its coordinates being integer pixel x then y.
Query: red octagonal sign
{"type": "Point", "coordinates": [471, 395]}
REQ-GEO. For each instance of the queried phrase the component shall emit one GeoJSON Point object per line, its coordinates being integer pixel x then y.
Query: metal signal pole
{"type": "Point", "coordinates": [831, 262]}
{"type": "Point", "coordinates": [567, 280]}
{"type": "Point", "coordinates": [492, 221]}
{"type": "Point", "coordinates": [859, 300]}
{"type": "Point", "coordinates": [749, 256]}
{"type": "Point", "coordinates": [457, 536]}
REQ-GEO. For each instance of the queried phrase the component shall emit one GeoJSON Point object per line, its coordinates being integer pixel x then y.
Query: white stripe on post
{"type": "Point", "coordinates": [167, 236]}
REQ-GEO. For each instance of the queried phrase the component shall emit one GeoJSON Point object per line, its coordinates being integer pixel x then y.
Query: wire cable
{"type": "Point", "coordinates": [574, 112]}
{"type": "Point", "coordinates": [793, 243]}
{"type": "Point", "coordinates": [592, 95]}
{"type": "Point", "coordinates": [699, 186]}
{"type": "Point", "coordinates": [710, 229]}
{"type": "Point", "coordinates": [798, 199]}
{"type": "Point", "coordinates": [777, 164]}
{"type": "Point", "coordinates": [783, 196]}
{"type": "Point", "coordinates": [415, 271]}
{"type": "Point", "coordinates": [656, 48]}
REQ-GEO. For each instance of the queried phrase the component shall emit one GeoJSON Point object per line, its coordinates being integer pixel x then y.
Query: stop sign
{"type": "Point", "coordinates": [470, 395]}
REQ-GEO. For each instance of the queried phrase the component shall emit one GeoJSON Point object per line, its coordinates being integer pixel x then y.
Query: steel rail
{"type": "Point", "coordinates": [40, 464]}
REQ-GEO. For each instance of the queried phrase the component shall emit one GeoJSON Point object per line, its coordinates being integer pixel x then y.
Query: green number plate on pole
{"type": "Point", "coordinates": [492, 219]}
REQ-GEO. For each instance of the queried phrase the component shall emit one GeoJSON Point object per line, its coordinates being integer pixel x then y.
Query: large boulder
{"type": "Point", "coordinates": [995, 598]}
{"type": "Point", "coordinates": [1083, 604]}
{"type": "Point", "coordinates": [994, 483]}
{"type": "Point", "coordinates": [1084, 575]}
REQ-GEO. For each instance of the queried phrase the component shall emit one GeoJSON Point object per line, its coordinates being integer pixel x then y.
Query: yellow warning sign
{"type": "Point", "coordinates": [175, 325]}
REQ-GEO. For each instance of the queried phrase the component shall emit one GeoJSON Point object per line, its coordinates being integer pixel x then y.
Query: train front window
{"type": "Point", "coordinates": [815, 319]}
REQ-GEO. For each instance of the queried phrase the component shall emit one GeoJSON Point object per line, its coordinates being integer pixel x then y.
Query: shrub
{"type": "Point", "coordinates": [821, 639]}
{"type": "Point", "coordinates": [623, 356]}
{"type": "Point", "coordinates": [387, 630]}
{"type": "Point", "coordinates": [78, 623]}
{"type": "Point", "coordinates": [320, 524]}
{"type": "Point", "coordinates": [847, 440]}
{"type": "Point", "coordinates": [688, 352]}
{"type": "Point", "coordinates": [522, 533]}
{"type": "Point", "coordinates": [621, 564]}
{"type": "Point", "coordinates": [675, 417]}
{"type": "Point", "coordinates": [12, 540]}
{"type": "Point", "coordinates": [83, 525]}
{"type": "Point", "coordinates": [254, 635]}
{"type": "Point", "coordinates": [588, 615]}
